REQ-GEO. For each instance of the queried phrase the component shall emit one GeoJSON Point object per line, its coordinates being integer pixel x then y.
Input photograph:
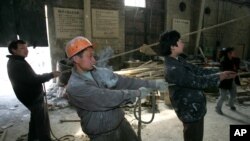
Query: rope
{"type": "Point", "coordinates": [215, 26]}
{"type": "Point", "coordinates": [157, 43]}
{"type": "Point", "coordinates": [140, 121]}
{"type": "Point", "coordinates": [186, 34]}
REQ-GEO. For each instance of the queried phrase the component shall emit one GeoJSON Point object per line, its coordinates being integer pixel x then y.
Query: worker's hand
{"type": "Point", "coordinates": [227, 75]}
{"type": "Point", "coordinates": [161, 85]}
{"type": "Point", "coordinates": [144, 92]}
{"type": "Point", "coordinates": [56, 73]}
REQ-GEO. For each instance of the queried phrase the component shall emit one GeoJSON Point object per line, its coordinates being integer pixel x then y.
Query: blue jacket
{"type": "Point", "coordinates": [186, 96]}
{"type": "Point", "coordinates": [98, 101]}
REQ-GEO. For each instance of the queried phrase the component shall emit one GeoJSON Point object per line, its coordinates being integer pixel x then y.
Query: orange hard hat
{"type": "Point", "coordinates": [76, 45]}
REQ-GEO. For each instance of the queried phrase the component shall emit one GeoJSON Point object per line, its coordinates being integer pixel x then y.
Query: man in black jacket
{"type": "Point", "coordinates": [229, 62]}
{"type": "Point", "coordinates": [187, 97]}
{"type": "Point", "coordinates": [28, 88]}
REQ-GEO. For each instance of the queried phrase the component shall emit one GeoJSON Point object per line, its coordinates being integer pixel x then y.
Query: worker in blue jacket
{"type": "Point", "coordinates": [186, 95]}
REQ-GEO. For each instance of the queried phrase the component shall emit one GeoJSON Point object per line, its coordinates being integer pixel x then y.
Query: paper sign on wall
{"type": "Point", "coordinates": [105, 23]}
{"type": "Point", "coordinates": [69, 23]}
{"type": "Point", "coordinates": [183, 27]}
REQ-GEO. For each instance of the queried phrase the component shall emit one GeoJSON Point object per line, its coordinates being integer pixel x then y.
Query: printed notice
{"type": "Point", "coordinates": [105, 23]}
{"type": "Point", "coordinates": [68, 22]}
{"type": "Point", "coordinates": [182, 26]}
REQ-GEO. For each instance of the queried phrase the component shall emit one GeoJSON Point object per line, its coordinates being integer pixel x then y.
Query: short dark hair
{"type": "Point", "coordinates": [168, 39]}
{"type": "Point", "coordinates": [224, 51]}
{"type": "Point", "coordinates": [229, 49]}
{"type": "Point", "coordinates": [14, 45]}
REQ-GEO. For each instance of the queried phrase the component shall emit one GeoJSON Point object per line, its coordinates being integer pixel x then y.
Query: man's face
{"type": "Point", "coordinates": [21, 50]}
{"type": "Point", "coordinates": [86, 62]}
{"type": "Point", "coordinates": [179, 48]}
{"type": "Point", "coordinates": [233, 54]}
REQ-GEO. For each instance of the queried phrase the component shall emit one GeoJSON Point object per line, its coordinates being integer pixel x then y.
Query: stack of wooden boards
{"type": "Point", "coordinates": [149, 70]}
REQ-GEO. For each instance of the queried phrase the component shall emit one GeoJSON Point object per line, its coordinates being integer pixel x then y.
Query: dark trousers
{"type": "Point", "coordinates": [39, 126]}
{"type": "Point", "coordinates": [123, 133]}
{"type": "Point", "coordinates": [193, 131]}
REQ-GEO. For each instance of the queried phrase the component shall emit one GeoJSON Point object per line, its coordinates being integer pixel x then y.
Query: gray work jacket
{"type": "Point", "coordinates": [187, 97]}
{"type": "Point", "coordinates": [98, 103]}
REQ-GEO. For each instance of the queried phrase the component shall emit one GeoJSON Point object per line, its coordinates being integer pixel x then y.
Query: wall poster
{"type": "Point", "coordinates": [69, 23]}
{"type": "Point", "coordinates": [105, 23]}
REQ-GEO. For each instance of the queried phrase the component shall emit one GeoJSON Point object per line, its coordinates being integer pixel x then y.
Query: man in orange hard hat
{"type": "Point", "coordinates": [98, 94]}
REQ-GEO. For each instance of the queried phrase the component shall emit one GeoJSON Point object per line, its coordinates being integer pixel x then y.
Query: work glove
{"type": "Point", "coordinates": [161, 85]}
{"type": "Point", "coordinates": [144, 92]}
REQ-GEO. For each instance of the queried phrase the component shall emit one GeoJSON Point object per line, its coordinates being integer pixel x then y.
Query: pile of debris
{"type": "Point", "coordinates": [57, 98]}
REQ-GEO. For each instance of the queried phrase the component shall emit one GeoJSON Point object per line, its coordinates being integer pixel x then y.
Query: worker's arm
{"type": "Point", "coordinates": [92, 98]}
{"type": "Point", "coordinates": [203, 71]}
{"type": "Point", "coordinates": [196, 69]}
{"type": "Point", "coordinates": [186, 78]}
{"type": "Point", "coordinates": [133, 83]}
{"type": "Point", "coordinates": [115, 81]}
{"type": "Point", "coordinates": [25, 74]}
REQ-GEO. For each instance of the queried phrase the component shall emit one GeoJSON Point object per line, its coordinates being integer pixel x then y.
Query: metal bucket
{"type": "Point", "coordinates": [65, 67]}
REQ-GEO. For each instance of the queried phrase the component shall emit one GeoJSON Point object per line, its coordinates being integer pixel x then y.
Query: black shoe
{"type": "Point", "coordinates": [218, 111]}
{"type": "Point", "coordinates": [233, 108]}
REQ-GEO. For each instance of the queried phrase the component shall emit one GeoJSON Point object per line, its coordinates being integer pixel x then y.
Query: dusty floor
{"type": "Point", "coordinates": [165, 126]}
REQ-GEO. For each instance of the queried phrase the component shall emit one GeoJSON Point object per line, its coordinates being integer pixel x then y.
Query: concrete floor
{"type": "Point", "coordinates": [165, 126]}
